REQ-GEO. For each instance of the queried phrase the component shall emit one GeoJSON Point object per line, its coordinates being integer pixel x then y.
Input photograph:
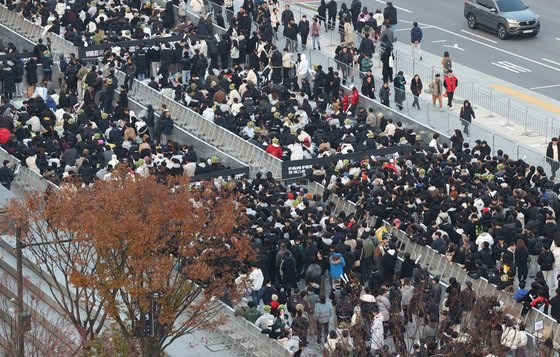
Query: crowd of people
{"type": "Point", "coordinates": [323, 277]}
{"type": "Point", "coordinates": [63, 135]}
{"type": "Point", "coordinates": [333, 284]}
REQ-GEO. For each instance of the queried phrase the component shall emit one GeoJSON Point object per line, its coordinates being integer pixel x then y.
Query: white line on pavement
{"type": "Point", "coordinates": [439, 41]}
{"type": "Point", "coordinates": [482, 37]}
{"type": "Point", "coordinates": [558, 38]}
{"type": "Point", "coordinates": [511, 67]}
{"type": "Point", "coordinates": [544, 87]}
{"type": "Point", "coordinates": [551, 61]}
{"type": "Point", "coordinates": [490, 46]}
{"type": "Point", "coordinates": [455, 46]}
{"type": "Point", "coordinates": [400, 8]}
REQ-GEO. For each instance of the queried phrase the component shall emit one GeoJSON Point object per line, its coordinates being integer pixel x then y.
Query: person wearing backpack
{"type": "Point", "coordinates": [546, 262]}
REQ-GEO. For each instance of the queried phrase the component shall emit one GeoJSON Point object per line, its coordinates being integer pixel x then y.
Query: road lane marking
{"type": "Point", "coordinates": [455, 46]}
{"type": "Point", "coordinates": [490, 46]}
{"type": "Point", "coordinates": [439, 41]}
{"type": "Point", "coordinates": [482, 37]}
{"type": "Point", "coordinates": [551, 61]}
{"type": "Point", "coordinates": [400, 8]}
{"type": "Point", "coordinates": [545, 87]}
{"type": "Point", "coordinates": [558, 38]}
{"type": "Point", "coordinates": [511, 67]}
{"type": "Point", "coordinates": [423, 28]}
{"type": "Point", "coordinates": [528, 98]}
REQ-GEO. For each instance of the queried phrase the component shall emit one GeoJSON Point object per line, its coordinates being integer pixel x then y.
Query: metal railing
{"type": "Point", "coordinates": [437, 264]}
{"type": "Point", "coordinates": [532, 120]}
{"type": "Point", "coordinates": [26, 180]}
{"type": "Point", "coordinates": [221, 138]}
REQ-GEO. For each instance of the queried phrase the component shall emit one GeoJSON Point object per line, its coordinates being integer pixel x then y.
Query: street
{"type": "Point", "coordinates": [530, 63]}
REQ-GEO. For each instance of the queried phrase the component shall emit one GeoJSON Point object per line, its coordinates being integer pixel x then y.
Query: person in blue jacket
{"type": "Point", "coordinates": [415, 41]}
{"type": "Point", "coordinates": [337, 264]}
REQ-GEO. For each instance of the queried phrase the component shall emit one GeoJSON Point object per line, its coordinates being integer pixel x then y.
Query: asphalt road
{"type": "Point", "coordinates": [531, 63]}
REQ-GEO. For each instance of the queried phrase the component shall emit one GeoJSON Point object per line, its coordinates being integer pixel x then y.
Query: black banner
{"type": "Point", "coordinates": [294, 169]}
{"type": "Point", "coordinates": [236, 173]}
{"type": "Point", "coordinates": [96, 51]}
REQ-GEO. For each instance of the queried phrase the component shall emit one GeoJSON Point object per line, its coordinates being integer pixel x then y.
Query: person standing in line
{"type": "Point", "coordinates": [275, 21]}
{"type": "Point", "coordinates": [446, 63]}
{"type": "Point", "coordinates": [416, 40]}
{"type": "Point", "coordinates": [322, 14]}
{"type": "Point", "coordinates": [379, 20]}
{"type": "Point", "coordinates": [546, 263]}
{"type": "Point", "coordinates": [450, 83]}
{"type": "Point", "coordinates": [384, 94]}
{"type": "Point", "coordinates": [553, 156]}
{"type": "Point", "coordinates": [437, 90]}
{"type": "Point", "coordinates": [303, 29]}
{"type": "Point", "coordinates": [316, 33]}
{"type": "Point", "coordinates": [230, 11]}
{"type": "Point", "coordinates": [390, 13]}
{"type": "Point", "coordinates": [467, 114]}
{"type": "Point", "coordinates": [6, 175]}
{"type": "Point", "coordinates": [332, 11]}
{"type": "Point", "coordinates": [416, 89]}
{"type": "Point", "coordinates": [400, 86]}
{"type": "Point", "coordinates": [287, 16]}
{"type": "Point", "coordinates": [521, 257]}
{"type": "Point", "coordinates": [348, 33]}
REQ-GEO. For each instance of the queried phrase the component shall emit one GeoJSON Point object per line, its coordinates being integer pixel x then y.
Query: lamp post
{"type": "Point", "coordinates": [20, 317]}
{"type": "Point", "coordinates": [24, 319]}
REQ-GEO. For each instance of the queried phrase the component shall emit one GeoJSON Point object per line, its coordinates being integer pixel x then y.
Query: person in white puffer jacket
{"type": "Point", "coordinates": [555, 249]}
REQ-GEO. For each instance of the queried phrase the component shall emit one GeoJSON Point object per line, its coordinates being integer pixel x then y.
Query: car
{"type": "Point", "coordinates": [504, 17]}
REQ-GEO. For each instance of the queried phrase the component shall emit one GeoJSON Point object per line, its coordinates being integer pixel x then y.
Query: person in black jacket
{"type": "Point", "coordinates": [276, 64]}
{"type": "Point", "coordinates": [168, 15]}
{"type": "Point", "coordinates": [355, 9]}
{"type": "Point", "coordinates": [416, 89]}
{"type": "Point", "coordinates": [546, 263]}
{"type": "Point", "coordinates": [287, 16]}
{"type": "Point", "coordinates": [140, 58]}
{"type": "Point", "coordinates": [6, 175]}
{"type": "Point", "coordinates": [303, 29]}
{"type": "Point", "coordinates": [319, 82]}
{"type": "Point", "coordinates": [368, 87]}
{"type": "Point", "coordinates": [154, 59]}
{"type": "Point", "coordinates": [18, 75]}
{"type": "Point", "coordinates": [390, 16]}
{"type": "Point", "coordinates": [467, 114]}
{"type": "Point", "coordinates": [553, 155]}
{"type": "Point", "coordinates": [290, 32]}
{"type": "Point", "coordinates": [223, 49]}
{"type": "Point", "coordinates": [8, 79]}
{"type": "Point", "coordinates": [332, 11]}
{"type": "Point", "coordinates": [322, 14]}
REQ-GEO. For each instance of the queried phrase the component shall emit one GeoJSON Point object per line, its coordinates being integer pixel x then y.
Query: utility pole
{"type": "Point", "coordinates": [20, 328]}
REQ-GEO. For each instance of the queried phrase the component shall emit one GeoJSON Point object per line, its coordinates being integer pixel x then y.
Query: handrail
{"type": "Point", "coordinates": [438, 265]}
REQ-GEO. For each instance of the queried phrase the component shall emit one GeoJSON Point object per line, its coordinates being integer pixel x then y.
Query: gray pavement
{"type": "Point", "coordinates": [531, 63]}
{"type": "Point", "coordinates": [523, 135]}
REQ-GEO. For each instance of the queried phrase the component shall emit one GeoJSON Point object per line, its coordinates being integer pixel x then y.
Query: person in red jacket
{"type": "Point", "coordinates": [4, 135]}
{"type": "Point", "coordinates": [274, 149]}
{"type": "Point", "coordinates": [450, 83]}
{"type": "Point", "coordinates": [354, 100]}
{"type": "Point", "coordinates": [345, 102]}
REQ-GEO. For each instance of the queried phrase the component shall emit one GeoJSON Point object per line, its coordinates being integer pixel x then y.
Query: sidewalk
{"type": "Point", "coordinates": [520, 139]}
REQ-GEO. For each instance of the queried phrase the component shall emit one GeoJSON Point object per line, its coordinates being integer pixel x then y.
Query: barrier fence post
{"type": "Point", "coordinates": [526, 119]}
{"type": "Point", "coordinates": [508, 112]}
{"type": "Point", "coordinates": [490, 105]}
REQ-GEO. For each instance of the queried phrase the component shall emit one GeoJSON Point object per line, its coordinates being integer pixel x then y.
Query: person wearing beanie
{"type": "Point", "coordinates": [275, 149]}
{"type": "Point", "coordinates": [266, 320]}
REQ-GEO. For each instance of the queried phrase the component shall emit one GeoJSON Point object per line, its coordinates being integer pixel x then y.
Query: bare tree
{"type": "Point", "coordinates": [50, 334]}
